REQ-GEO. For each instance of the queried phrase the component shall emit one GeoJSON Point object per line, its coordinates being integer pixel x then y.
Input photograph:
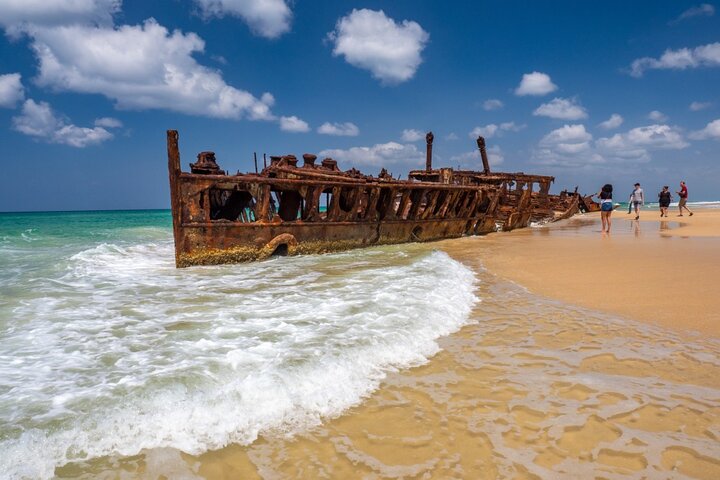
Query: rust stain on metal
{"type": "Point", "coordinates": [289, 209]}
{"type": "Point", "coordinates": [522, 198]}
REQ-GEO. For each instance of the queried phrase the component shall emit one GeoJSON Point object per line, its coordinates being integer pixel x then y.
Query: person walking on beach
{"type": "Point", "coordinates": [683, 194]}
{"type": "Point", "coordinates": [637, 199]}
{"type": "Point", "coordinates": [664, 198]}
{"type": "Point", "coordinates": [630, 205]}
{"type": "Point", "coordinates": [606, 207]}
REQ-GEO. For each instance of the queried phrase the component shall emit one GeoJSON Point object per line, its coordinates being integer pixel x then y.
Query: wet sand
{"type": "Point", "coordinates": [534, 388]}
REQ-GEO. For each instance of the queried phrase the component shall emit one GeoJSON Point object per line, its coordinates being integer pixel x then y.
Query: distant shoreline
{"type": "Point", "coordinates": [118, 210]}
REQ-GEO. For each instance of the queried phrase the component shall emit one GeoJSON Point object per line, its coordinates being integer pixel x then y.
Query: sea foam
{"type": "Point", "coordinates": [118, 351]}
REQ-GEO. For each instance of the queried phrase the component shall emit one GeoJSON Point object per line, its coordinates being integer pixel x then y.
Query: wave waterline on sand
{"type": "Point", "coordinates": [533, 388]}
{"type": "Point", "coordinates": [565, 392]}
{"type": "Point", "coordinates": [119, 351]}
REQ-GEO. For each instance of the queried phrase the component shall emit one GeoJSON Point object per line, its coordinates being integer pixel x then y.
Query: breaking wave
{"type": "Point", "coordinates": [114, 350]}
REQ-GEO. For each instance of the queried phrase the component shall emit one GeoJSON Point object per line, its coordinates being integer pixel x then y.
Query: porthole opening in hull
{"type": "Point", "coordinates": [280, 251]}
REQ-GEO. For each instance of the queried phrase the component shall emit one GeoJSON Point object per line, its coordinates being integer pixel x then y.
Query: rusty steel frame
{"type": "Point", "coordinates": [518, 203]}
{"type": "Point", "coordinates": [221, 218]}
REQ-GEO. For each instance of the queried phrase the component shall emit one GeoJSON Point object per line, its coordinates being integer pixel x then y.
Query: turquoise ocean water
{"type": "Point", "coordinates": [107, 349]}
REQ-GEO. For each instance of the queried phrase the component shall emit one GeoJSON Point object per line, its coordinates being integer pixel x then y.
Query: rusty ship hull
{"type": "Point", "coordinates": [522, 198]}
{"type": "Point", "coordinates": [588, 205]}
{"type": "Point", "coordinates": [220, 218]}
{"type": "Point", "coordinates": [560, 207]}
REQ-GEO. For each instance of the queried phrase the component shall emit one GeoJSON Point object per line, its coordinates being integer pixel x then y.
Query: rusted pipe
{"type": "Point", "coordinates": [428, 157]}
{"type": "Point", "coordinates": [483, 154]}
{"type": "Point", "coordinates": [174, 171]}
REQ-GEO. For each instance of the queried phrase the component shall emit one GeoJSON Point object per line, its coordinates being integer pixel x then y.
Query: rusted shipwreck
{"type": "Point", "coordinates": [587, 204]}
{"type": "Point", "coordinates": [519, 203]}
{"type": "Point", "coordinates": [313, 208]}
{"type": "Point", "coordinates": [288, 209]}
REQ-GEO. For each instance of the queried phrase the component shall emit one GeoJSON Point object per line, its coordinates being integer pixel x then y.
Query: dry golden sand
{"type": "Point", "coordinates": [534, 388]}
{"type": "Point", "coordinates": [663, 271]}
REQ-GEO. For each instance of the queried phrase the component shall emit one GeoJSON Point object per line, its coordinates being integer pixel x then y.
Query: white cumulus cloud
{"type": "Point", "coordinates": [535, 83]}
{"type": "Point", "coordinates": [11, 90]}
{"type": "Point", "coordinates": [18, 15]}
{"type": "Point", "coordinates": [412, 135]}
{"type": "Point", "coordinates": [568, 146]}
{"type": "Point", "coordinates": [702, 10]}
{"type": "Point", "coordinates": [561, 108]}
{"type": "Point", "coordinates": [711, 131]}
{"type": "Point", "coordinates": [680, 59]}
{"type": "Point", "coordinates": [657, 116]}
{"type": "Point", "coordinates": [267, 18]}
{"type": "Point", "coordinates": [567, 134]}
{"type": "Point", "coordinates": [492, 104]}
{"type": "Point", "coordinates": [140, 67]}
{"type": "Point", "coordinates": [38, 120]}
{"type": "Point", "coordinates": [370, 40]}
{"type": "Point", "coordinates": [473, 161]}
{"type": "Point", "coordinates": [637, 142]}
{"type": "Point", "coordinates": [697, 106]}
{"type": "Point", "coordinates": [573, 146]}
{"type": "Point", "coordinates": [379, 155]}
{"type": "Point", "coordinates": [346, 129]}
{"type": "Point", "coordinates": [293, 124]}
{"type": "Point", "coordinates": [490, 130]}
{"type": "Point", "coordinates": [511, 126]}
{"type": "Point", "coordinates": [108, 122]}
{"type": "Point", "coordinates": [569, 139]}
{"type": "Point", "coordinates": [614, 121]}
{"type": "Point", "coordinates": [487, 131]}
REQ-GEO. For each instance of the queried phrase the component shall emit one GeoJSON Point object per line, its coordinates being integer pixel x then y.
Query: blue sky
{"type": "Point", "coordinates": [590, 92]}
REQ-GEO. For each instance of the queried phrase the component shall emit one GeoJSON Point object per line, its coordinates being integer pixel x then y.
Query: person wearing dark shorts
{"type": "Point", "coordinates": [664, 198]}
{"type": "Point", "coordinates": [683, 194]}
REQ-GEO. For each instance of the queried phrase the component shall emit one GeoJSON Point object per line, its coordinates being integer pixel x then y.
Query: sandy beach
{"type": "Point", "coordinates": [657, 270]}
{"type": "Point", "coordinates": [585, 358]}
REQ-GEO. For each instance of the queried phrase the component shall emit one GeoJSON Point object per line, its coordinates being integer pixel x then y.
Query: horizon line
{"type": "Point", "coordinates": [86, 211]}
